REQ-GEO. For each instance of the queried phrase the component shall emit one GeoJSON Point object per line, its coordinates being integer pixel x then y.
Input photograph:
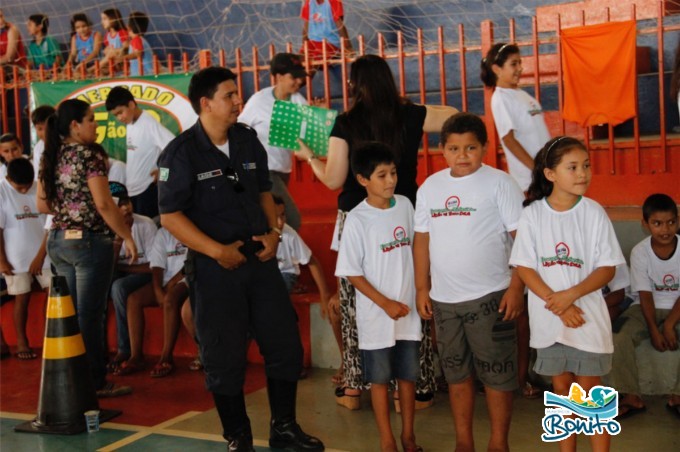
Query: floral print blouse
{"type": "Point", "coordinates": [74, 206]}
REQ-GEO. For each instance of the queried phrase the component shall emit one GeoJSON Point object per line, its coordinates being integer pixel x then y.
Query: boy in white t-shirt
{"type": "Point", "coordinates": [22, 244]}
{"type": "Point", "coordinates": [39, 120]}
{"type": "Point", "coordinates": [655, 275]}
{"type": "Point", "coordinates": [464, 216]}
{"type": "Point", "coordinates": [289, 76]}
{"type": "Point", "coordinates": [146, 138]}
{"type": "Point", "coordinates": [617, 293]}
{"type": "Point", "coordinates": [375, 256]}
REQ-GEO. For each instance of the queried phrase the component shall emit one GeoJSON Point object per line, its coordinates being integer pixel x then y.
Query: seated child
{"type": "Point", "coordinates": [138, 23]}
{"type": "Point", "coordinates": [169, 291]}
{"type": "Point", "coordinates": [655, 275]}
{"type": "Point", "coordinates": [464, 216]}
{"type": "Point", "coordinates": [22, 245]}
{"type": "Point", "coordinates": [129, 277]}
{"type": "Point", "coordinates": [375, 255]}
{"type": "Point", "coordinates": [85, 43]}
{"type": "Point", "coordinates": [39, 120]}
{"type": "Point", "coordinates": [43, 50]}
{"type": "Point", "coordinates": [115, 38]}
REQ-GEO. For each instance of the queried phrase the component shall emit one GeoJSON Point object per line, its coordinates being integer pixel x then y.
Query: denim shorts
{"type": "Point", "coordinates": [397, 362]}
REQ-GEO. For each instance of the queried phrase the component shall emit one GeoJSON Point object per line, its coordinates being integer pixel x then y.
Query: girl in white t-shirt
{"type": "Point", "coordinates": [518, 116]}
{"type": "Point", "coordinates": [565, 251]}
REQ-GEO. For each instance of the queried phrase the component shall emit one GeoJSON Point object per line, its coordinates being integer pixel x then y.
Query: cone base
{"type": "Point", "coordinates": [64, 429]}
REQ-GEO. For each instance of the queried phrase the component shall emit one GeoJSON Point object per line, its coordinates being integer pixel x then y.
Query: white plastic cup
{"type": "Point", "coordinates": [92, 421]}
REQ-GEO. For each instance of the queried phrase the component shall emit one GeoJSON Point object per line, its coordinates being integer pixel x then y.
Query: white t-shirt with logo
{"type": "Point", "coordinates": [117, 171]}
{"type": "Point", "coordinates": [515, 110]}
{"type": "Point", "coordinates": [468, 219]}
{"type": "Point", "coordinates": [146, 138]}
{"type": "Point", "coordinates": [376, 244]}
{"type": "Point", "coordinates": [292, 251]}
{"type": "Point", "coordinates": [658, 276]}
{"type": "Point", "coordinates": [143, 233]}
{"type": "Point", "coordinates": [258, 114]}
{"type": "Point", "coordinates": [167, 253]}
{"type": "Point", "coordinates": [38, 150]}
{"type": "Point", "coordinates": [22, 225]}
{"type": "Point", "coordinates": [564, 248]}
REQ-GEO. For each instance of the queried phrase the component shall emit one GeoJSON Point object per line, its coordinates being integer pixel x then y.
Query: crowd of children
{"type": "Point", "coordinates": [479, 249]}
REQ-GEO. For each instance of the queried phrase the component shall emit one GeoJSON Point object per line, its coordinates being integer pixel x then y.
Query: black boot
{"type": "Point", "coordinates": [285, 433]}
{"type": "Point", "coordinates": [235, 422]}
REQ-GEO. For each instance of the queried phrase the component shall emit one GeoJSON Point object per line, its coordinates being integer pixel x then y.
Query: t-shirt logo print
{"type": "Point", "coordinates": [400, 239]}
{"type": "Point", "coordinates": [562, 256]}
{"type": "Point", "coordinates": [452, 207]}
{"type": "Point", "coordinates": [670, 284]}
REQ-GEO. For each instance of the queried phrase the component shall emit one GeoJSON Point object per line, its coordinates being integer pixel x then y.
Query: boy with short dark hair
{"type": "Point", "coordinates": [464, 217]}
{"type": "Point", "coordinates": [655, 275]}
{"type": "Point", "coordinates": [22, 245]}
{"type": "Point", "coordinates": [138, 23]}
{"type": "Point", "coordinates": [39, 120]}
{"type": "Point", "coordinates": [375, 256]}
{"type": "Point", "coordinates": [146, 138]}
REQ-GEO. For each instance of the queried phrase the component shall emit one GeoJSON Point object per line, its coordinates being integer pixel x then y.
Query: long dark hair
{"type": "Point", "coordinates": [58, 128]}
{"type": "Point", "coordinates": [498, 55]}
{"type": "Point", "coordinates": [375, 113]}
{"type": "Point", "coordinates": [115, 18]}
{"type": "Point", "coordinates": [548, 157]}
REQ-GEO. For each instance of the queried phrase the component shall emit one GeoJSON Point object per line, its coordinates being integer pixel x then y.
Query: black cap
{"type": "Point", "coordinates": [118, 190]}
{"type": "Point", "coordinates": [287, 63]}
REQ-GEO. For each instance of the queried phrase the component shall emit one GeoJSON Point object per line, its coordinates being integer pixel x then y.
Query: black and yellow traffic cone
{"type": "Point", "coordinates": [66, 387]}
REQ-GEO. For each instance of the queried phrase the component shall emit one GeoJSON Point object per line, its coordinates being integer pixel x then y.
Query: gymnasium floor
{"type": "Point", "coordinates": [176, 414]}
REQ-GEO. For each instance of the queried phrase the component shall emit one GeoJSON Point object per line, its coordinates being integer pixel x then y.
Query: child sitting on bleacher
{"type": "Point", "coordinates": [39, 120]}
{"type": "Point", "coordinates": [22, 245]}
{"type": "Point", "coordinates": [655, 275]}
{"type": "Point", "coordinates": [139, 46]}
{"type": "Point", "coordinates": [129, 277]}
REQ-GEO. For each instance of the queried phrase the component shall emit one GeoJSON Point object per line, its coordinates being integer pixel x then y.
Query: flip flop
{"type": "Point", "coordinates": [161, 370]}
{"type": "Point", "coordinates": [128, 368]}
{"type": "Point", "coordinates": [113, 366]}
{"type": "Point", "coordinates": [196, 364]}
{"type": "Point", "coordinates": [675, 409]}
{"type": "Point", "coordinates": [531, 392]}
{"type": "Point", "coordinates": [25, 355]}
{"type": "Point", "coordinates": [629, 411]}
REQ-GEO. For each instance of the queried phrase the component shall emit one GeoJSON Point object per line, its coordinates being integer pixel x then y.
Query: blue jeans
{"type": "Point", "coordinates": [87, 265]}
{"type": "Point", "coordinates": [121, 288]}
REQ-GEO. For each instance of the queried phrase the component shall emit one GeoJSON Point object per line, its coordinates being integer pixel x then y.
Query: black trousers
{"type": "Point", "coordinates": [230, 304]}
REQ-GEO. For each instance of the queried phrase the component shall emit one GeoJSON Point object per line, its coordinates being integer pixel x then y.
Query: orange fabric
{"type": "Point", "coordinates": [598, 64]}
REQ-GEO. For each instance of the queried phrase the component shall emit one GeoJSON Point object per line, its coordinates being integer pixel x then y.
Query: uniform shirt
{"type": "Point", "coordinates": [38, 150]}
{"type": "Point", "coordinates": [197, 179]}
{"type": "Point", "coordinates": [515, 110]}
{"type": "Point", "coordinates": [116, 39]}
{"type": "Point", "coordinates": [136, 44]}
{"type": "Point", "coordinates": [564, 248]}
{"type": "Point", "coordinates": [22, 226]}
{"type": "Point", "coordinates": [44, 53]}
{"type": "Point", "coordinates": [292, 251]}
{"type": "Point", "coordinates": [143, 233]}
{"type": "Point", "coordinates": [658, 276]}
{"type": "Point", "coordinates": [84, 47]}
{"type": "Point", "coordinates": [167, 253]}
{"type": "Point", "coordinates": [146, 138]}
{"type": "Point", "coordinates": [321, 19]}
{"type": "Point", "coordinates": [376, 244]}
{"type": "Point", "coordinates": [258, 115]}
{"type": "Point", "coordinates": [117, 171]}
{"type": "Point", "coordinates": [468, 219]}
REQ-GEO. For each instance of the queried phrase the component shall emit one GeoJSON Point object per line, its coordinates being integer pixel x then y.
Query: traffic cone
{"type": "Point", "coordinates": [66, 387]}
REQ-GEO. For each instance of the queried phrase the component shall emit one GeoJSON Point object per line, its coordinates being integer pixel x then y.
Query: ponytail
{"type": "Point", "coordinates": [58, 127]}
{"type": "Point", "coordinates": [498, 55]}
{"type": "Point", "coordinates": [548, 157]}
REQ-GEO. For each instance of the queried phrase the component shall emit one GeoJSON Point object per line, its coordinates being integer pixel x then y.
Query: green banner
{"type": "Point", "coordinates": [162, 96]}
{"type": "Point", "coordinates": [291, 121]}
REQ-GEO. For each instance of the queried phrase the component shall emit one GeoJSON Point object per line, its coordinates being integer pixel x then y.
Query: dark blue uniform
{"type": "Point", "coordinates": [221, 196]}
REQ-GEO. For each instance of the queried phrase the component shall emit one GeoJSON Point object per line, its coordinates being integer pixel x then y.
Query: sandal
{"type": "Point", "coordinates": [113, 366]}
{"type": "Point", "coordinates": [349, 401]}
{"type": "Point", "coordinates": [162, 369]}
{"type": "Point", "coordinates": [127, 368]}
{"type": "Point", "coordinates": [25, 355]}
{"type": "Point", "coordinates": [531, 392]}
{"type": "Point", "coordinates": [196, 364]}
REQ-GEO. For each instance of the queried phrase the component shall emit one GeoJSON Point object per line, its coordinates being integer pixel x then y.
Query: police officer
{"type": "Point", "coordinates": [214, 196]}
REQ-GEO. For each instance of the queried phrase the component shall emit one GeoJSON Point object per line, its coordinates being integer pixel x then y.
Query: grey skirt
{"type": "Point", "coordinates": [559, 358]}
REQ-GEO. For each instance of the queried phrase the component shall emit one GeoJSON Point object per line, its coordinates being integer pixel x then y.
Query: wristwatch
{"type": "Point", "coordinates": [278, 232]}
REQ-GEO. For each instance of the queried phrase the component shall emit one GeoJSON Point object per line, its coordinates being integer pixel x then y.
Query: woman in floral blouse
{"type": "Point", "coordinates": [73, 186]}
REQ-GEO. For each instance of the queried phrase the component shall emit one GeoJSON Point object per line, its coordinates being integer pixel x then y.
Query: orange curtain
{"type": "Point", "coordinates": [598, 64]}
